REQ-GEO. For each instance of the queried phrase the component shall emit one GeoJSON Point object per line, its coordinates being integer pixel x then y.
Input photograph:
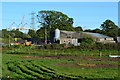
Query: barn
{"type": "Point", "coordinates": [101, 38]}
{"type": "Point", "coordinates": [67, 37]}
{"type": "Point", "coordinates": [74, 38]}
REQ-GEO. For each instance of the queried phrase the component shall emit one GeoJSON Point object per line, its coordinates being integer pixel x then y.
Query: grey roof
{"type": "Point", "coordinates": [70, 34]}
{"type": "Point", "coordinates": [97, 35]}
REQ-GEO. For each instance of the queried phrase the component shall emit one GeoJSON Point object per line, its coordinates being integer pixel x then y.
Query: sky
{"type": "Point", "coordinates": [89, 15]}
{"type": "Point", "coordinates": [59, 0]}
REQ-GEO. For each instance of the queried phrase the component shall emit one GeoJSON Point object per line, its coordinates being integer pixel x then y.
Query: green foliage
{"type": "Point", "coordinates": [32, 33]}
{"type": "Point", "coordinates": [119, 32]}
{"type": "Point", "coordinates": [40, 32]}
{"type": "Point", "coordinates": [78, 28]}
{"type": "Point", "coordinates": [57, 46]}
{"type": "Point", "coordinates": [109, 28]}
{"type": "Point", "coordinates": [54, 19]}
{"type": "Point", "coordinates": [88, 30]}
{"type": "Point", "coordinates": [14, 34]}
{"type": "Point", "coordinates": [87, 41]}
{"type": "Point", "coordinates": [15, 46]}
{"type": "Point", "coordinates": [18, 34]}
{"type": "Point", "coordinates": [50, 20]}
{"type": "Point", "coordinates": [97, 30]}
{"type": "Point", "coordinates": [25, 36]}
{"type": "Point", "coordinates": [7, 41]}
{"type": "Point", "coordinates": [52, 46]}
{"type": "Point", "coordinates": [100, 46]}
{"type": "Point", "coordinates": [5, 34]}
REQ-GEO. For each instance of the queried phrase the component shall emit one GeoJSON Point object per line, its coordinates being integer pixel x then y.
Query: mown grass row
{"type": "Point", "coordinates": [59, 75]}
{"type": "Point", "coordinates": [20, 74]}
{"type": "Point", "coordinates": [29, 70]}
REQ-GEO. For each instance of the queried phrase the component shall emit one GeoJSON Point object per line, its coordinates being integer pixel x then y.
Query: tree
{"type": "Point", "coordinates": [119, 32]}
{"type": "Point", "coordinates": [32, 33]}
{"type": "Point", "coordinates": [88, 30]}
{"type": "Point", "coordinates": [25, 36]}
{"type": "Point", "coordinates": [40, 33]}
{"type": "Point", "coordinates": [50, 20]}
{"type": "Point", "coordinates": [4, 30]}
{"type": "Point", "coordinates": [97, 30]}
{"type": "Point", "coordinates": [19, 34]}
{"type": "Point", "coordinates": [55, 19]}
{"type": "Point", "coordinates": [6, 34]}
{"type": "Point", "coordinates": [78, 28]}
{"type": "Point", "coordinates": [110, 28]}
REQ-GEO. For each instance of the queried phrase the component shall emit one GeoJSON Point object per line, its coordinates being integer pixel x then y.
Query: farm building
{"type": "Point", "coordinates": [67, 37]}
{"type": "Point", "coordinates": [101, 38]}
{"type": "Point", "coordinates": [74, 38]}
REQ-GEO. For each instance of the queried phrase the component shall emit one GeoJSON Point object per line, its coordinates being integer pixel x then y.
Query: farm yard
{"type": "Point", "coordinates": [59, 64]}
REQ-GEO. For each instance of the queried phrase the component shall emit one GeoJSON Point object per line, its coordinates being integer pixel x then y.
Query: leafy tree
{"type": "Point", "coordinates": [50, 20]}
{"type": "Point", "coordinates": [119, 32]}
{"type": "Point", "coordinates": [97, 30]}
{"type": "Point", "coordinates": [32, 33]}
{"type": "Point", "coordinates": [4, 30]}
{"type": "Point", "coordinates": [5, 33]}
{"type": "Point", "coordinates": [55, 19]}
{"type": "Point", "coordinates": [41, 34]}
{"type": "Point", "coordinates": [25, 36]}
{"type": "Point", "coordinates": [88, 30]}
{"type": "Point", "coordinates": [12, 34]}
{"type": "Point", "coordinates": [19, 34]}
{"type": "Point", "coordinates": [79, 28]}
{"type": "Point", "coordinates": [109, 28]}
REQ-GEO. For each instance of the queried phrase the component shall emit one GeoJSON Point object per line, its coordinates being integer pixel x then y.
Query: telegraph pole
{"type": "Point", "coordinates": [45, 30]}
{"type": "Point", "coordinates": [45, 36]}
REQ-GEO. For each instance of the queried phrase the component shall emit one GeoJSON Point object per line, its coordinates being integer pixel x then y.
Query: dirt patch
{"type": "Point", "coordinates": [74, 57]}
{"type": "Point", "coordinates": [89, 65]}
{"type": "Point", "coordinates": [37, 56]}
{"type": "Point", "coordinates": [100, 59]}
{"type": "Point", "coordinates": [78, 58]}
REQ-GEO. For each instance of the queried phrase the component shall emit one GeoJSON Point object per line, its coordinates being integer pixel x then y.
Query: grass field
{"type": "Point", "coordinates": [59, 64]}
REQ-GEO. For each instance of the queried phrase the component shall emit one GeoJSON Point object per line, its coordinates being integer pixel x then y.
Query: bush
{"type": "Point", "coordinates": [15, 46]}
{"type": "Point", "coordinates": [57, 46]}
{"type": "Point", "coordinates": [99, 46]}
{"type": "Point", "coordinates": [87, 41]}
{"type": "Point", "coordinates": [51, 46]}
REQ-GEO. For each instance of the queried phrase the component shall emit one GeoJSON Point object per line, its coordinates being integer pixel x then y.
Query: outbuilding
{"type": "Point", "coordinates": [67, 37]}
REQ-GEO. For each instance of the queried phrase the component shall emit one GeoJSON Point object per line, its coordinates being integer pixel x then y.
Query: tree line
{"type": "Point", "coordinates": [50, 20]}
